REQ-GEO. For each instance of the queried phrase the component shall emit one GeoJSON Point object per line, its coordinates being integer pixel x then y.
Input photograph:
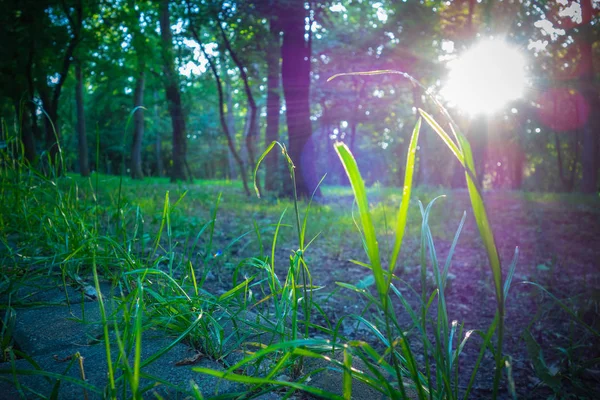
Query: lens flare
{"type": "Point", "coordinates": [486, 77]}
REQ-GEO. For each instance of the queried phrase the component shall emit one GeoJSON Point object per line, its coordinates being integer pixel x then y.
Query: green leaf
{"type": "Point", "coordinates": [360, 194]}
{"type": "Point", "coordinates": [403, 211]}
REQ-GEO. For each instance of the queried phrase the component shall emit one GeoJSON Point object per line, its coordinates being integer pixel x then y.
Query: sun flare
{"type": "Point", "coordinates": [486, 77]}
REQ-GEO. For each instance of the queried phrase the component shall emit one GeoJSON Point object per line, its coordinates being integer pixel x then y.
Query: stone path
{"type": "Point", "coordinates": [52, 334]}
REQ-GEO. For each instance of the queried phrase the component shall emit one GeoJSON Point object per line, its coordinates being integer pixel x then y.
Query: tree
{"type": "Point", "coordinates": [295, 76]}
{"type": "Point", "coordinates": [20, 23]}
{"type": "Point", "coordinates": [590, 93]}
{"type": "Point", "coordinates": [569, 93]}
{"type": "Point", "coordinates": [221, 102]}
{"type": "Point", "coordinates": [273, 56]}
{"type": "Point", "coordinates": [140, 43]}
{"type": "Point", "coordinates": [49, 91]}
{"type": "Point", "coordinates": [138, 123]}
{"type": "Point", "coordinates": [251, 136]}
{"type": "Point", "coordinates": [171, 82]}
{"type": "Point", "coordinates": [84, 167]}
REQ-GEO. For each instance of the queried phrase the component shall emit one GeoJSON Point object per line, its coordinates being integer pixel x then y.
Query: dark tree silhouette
{"type": "Point", "coordinates": [295, 76]}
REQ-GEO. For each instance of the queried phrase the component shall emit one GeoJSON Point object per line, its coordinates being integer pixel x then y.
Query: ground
{"type": "Point", "coordinates": [552, 317]}
{"type": "Point", "coordinates": [558, 238]}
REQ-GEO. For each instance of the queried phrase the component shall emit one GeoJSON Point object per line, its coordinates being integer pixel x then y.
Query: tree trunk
{"type": "Point", "coordinates": [138, 125]}
{"type": "Point", "coordinates": [245, 133]}
{"type": "Point", "coordinates": [231, 123]}
{"type": "Point", "coordinates": [35, 130]}
{"type": "Point", "coordinates": [295, 74]}
{"type": "Point", "coordinates": [25, 129]}
{"type": "Point", "coordinates": [84, 166]}
{"type": "Point", "coordinates": [171, 82]}
{"type": "Point", "coordinates": [252, 131]}
{"type": "Point", "coordinates": [360, 88]}
{"type": "Point", "coordinates": [273, 105]}
{"type": "Point", "coordinates": [589, 156]}
{"type": "Point", "coordinates": [222, 118]}
{"type": "Point", "coordinates": [50, 103]}
{"type": "Point", "coordinates": [158, 138]}
{"type": "Point", "coordinates": [52, 135]}
{"type": "Point", "coordinates": [518, 167]}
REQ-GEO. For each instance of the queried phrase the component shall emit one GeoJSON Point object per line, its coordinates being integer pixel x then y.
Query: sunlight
{"type": "Point", "coordinates": [486, 77]}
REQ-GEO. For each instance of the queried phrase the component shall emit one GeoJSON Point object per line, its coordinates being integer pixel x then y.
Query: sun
{"type": "Point", "coordinates": [486, 77]}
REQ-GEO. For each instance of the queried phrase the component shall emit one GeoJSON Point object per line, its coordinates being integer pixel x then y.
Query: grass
{"type": "Point", "coordinates": [160, 244]}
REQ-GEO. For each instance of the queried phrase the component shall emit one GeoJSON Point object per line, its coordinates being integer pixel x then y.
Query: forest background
{"type": "Point", "coordinates": [207, 85]}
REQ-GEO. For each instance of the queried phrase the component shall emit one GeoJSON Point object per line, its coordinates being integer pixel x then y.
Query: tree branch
{"type": "Point", "coordinates": [252, 104]}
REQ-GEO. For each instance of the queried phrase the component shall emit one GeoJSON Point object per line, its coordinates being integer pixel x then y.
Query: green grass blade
{"type": "Point", "coordinates": [135, 383]}
{"type": "Point", "coordinates": [511, 272]}
{"type": "Point", "coordinates": [444, 136]}
{"type": "Point", "coordinates": [403, 211]}
{"type": "Point", "coordinates": [360, 194]}
{"type": "Point", "coordinates": [251, 380]}
{"type": "Point", "coordinates": [347, 379]}
{"type": "Point", "coordinates": [262, 157]}
{"type": "Point", "coordinates": [452, 248]}
{"type": "Point", "coordinates": [483, 224]}
{"type": "Point", "coordinates": [162, 224]}
{"type": "Point", "coordinates": [111, 372]}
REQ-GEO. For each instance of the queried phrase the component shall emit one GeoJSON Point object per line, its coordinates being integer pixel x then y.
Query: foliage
{"type": "Point", "coordinates": [530, 144]}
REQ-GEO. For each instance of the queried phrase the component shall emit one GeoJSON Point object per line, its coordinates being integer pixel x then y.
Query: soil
{"type": "Point", "coordinates": [559, 248]}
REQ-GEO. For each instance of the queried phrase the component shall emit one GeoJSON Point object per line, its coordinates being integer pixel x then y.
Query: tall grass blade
{"type": "Point", "coordinates": [444, 136]}
{"type": "Point", "coordinates": [403, 211]}
{"type": "Point", "coordinates": [511, 273]}
{"type": "Point", "coordinates": [111, 372]}
{"type": "Point", "coordinates": [463, 153]}
{"type": "Point", "coordinates": [347, 380]}
{"type": "Point", "coordinates": [360, 194]}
